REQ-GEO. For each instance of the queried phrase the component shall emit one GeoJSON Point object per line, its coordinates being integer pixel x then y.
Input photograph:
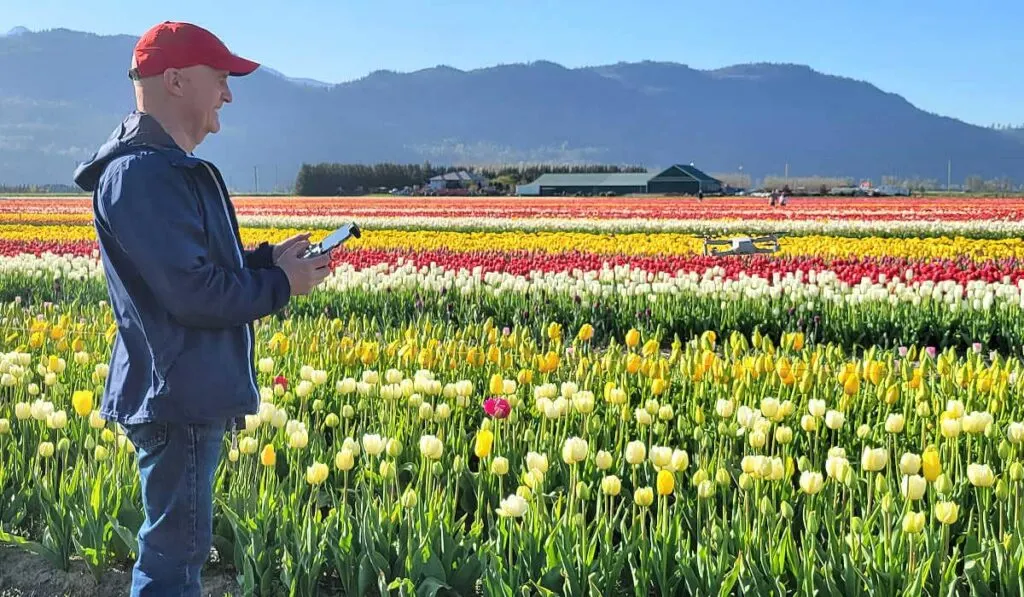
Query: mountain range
{"type": "Point", "coordinates": [63, 91]}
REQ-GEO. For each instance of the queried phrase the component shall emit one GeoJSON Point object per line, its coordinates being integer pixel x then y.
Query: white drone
{"type": "Point", "coordinates": [743, 245]}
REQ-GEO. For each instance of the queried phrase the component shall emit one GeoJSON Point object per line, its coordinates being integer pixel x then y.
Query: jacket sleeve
{"type": "Point", "coordinates": [155, 217]}
{"type": "Point", "coordinates": [261, 257]}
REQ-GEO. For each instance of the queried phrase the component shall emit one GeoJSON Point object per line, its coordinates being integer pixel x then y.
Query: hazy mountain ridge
{"type": "Point", "coordinates": [62, 92]}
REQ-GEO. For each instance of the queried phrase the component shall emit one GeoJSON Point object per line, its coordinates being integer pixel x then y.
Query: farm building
{"type": "Point", "coordinates": [457, 180]}
{"type": "Point", "coordinates": [677, 179]}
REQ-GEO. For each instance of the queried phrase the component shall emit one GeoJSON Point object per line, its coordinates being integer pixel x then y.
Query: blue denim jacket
{"type": "Point", "coordinates": [183, 289]}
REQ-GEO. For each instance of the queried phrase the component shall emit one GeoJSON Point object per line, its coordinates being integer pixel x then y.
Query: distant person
{"type": "Point", "coordinates": [184, 292]}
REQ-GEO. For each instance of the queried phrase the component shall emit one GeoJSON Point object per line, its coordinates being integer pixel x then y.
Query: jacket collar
{"type": "Point", "coordinates": [140, 128]}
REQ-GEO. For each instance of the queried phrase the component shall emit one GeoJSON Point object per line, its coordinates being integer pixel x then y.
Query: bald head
{"type": "Point", "coordinates": [185, 101]}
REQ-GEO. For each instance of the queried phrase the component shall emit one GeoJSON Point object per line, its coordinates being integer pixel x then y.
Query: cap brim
{"type": "Point", "coordinates": [238, 66]}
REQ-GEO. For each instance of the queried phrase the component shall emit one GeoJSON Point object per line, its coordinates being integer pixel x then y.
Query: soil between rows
{"type": "Point", "coordinates": [24, 574]}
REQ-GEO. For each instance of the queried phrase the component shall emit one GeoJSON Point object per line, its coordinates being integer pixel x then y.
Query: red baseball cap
{"type": "Point", "coordinates": [179, 45]}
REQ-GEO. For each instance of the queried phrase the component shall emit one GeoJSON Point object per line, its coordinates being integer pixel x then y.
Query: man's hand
{"type": "Point", "coordinates": [303, 274]}
{"type": "Point", "coordinates": [299, 240]}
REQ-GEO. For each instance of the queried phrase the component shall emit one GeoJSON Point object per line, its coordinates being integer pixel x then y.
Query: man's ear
{"type": "Point", "coordinates": [174, 81]}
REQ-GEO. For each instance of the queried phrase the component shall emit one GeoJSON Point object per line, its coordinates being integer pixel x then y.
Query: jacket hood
{"type": "Point", "coordinates": [138, 129]}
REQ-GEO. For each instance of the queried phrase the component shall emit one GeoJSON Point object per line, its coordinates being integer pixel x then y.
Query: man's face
{"type": "Point", "coordinates": [203, 91]}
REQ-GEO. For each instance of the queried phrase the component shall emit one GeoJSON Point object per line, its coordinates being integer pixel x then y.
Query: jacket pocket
{"type": "Point", "coordinates": [165, 353]}
{"type": "Point", "coordinates": [210, 377]}
{"type": "Point", "coordinates": [146, 436]}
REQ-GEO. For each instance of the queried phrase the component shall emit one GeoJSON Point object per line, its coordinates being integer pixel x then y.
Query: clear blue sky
{"type": "Point", "coordinates": [950, 57]}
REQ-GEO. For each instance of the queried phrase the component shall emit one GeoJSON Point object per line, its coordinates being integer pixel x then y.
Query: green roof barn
{"type": "Point", "coordinates": [677, 179]}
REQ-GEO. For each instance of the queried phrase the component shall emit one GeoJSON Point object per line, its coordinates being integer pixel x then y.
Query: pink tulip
{"type": "Point", "coordinates": [499, 408]}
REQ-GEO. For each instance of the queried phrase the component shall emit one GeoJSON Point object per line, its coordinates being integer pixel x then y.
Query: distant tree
{"type": "Point", "coordinates": [806, 183]}
{"type": "Point", "coordinates": [734, 179]}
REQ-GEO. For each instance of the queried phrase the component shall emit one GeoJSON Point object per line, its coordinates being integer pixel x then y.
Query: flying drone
{"type": "Point", "coordinates": [743, 245]}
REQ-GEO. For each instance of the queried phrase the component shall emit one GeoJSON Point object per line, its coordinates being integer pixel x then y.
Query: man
{"type": "Point", "coordinates": [184, 292]}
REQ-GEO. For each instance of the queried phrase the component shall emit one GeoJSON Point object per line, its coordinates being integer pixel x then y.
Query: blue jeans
{"type": "Point", "coordinates": [177, 463]}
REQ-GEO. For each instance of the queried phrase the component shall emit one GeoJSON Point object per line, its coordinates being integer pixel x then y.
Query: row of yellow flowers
{"type": "Point", "coordinates": [745, 444]}
{"type": "Point", "coordinates": [626, 243]}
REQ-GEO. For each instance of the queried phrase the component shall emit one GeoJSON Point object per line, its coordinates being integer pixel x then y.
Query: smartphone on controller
{"type": "Point", "coordinates": [332, 240]}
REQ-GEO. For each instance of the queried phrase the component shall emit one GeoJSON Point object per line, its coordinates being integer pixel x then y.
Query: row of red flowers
{"type": "Point", "coordinates": [523, 262]}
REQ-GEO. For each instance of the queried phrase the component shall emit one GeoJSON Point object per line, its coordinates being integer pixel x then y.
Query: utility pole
{"type": "Point", "coordinates": [949, 174]}
{"type": "Point", "coordinates": [787, 173]}
{"type": "Point", "coordinates": [256, 178]}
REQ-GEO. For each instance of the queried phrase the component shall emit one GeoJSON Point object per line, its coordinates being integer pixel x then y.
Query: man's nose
{"type": "Point", "coordinates": [227, 95]}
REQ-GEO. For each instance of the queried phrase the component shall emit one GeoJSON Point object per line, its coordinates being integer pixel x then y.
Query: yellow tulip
{"type": "Point", "coordinates": [913, 522]}
{"type": "Point", "coordinates": [81, 400]}
{"type": "Point", "coordinates": [549, 362]}
{"type": "Point", "coordinates": [650, 348]}
{"type": "Point", "coordinates": [643, 496]}
{"type": "Point", "coordinates": [45, 449]}
{"type": "Point", "coordinates": [811, 482]}
{"type": "Point", "coordinates": [806, 383]}
{"type": "Point", "coordinates": [554, 331]}
{"type": "Point", "coordinates": [632, 337]}
{"type": "Point", "coordinates": [930, 464]}
{"type": "Point", "coordinates": [892, 394]}
{"type": "Point", "coordinates": [946, 512]}
{"type": "Point", "coordinates": [278, 344]}
{"type": "Point", "coordinates": [484, 442]}
{"type": "Point", "coordinates": [496, 384]}
{"type": "Point", "coordinates": [316, 473]}
{"type": "Point", "coordinates": [409, 498]}
{"type": "Point", "coordinates": [611, 485]}
{"type": "Point", "coordinates": [499, 466]}
{"type": "Point", "coordinates": [268, 457]}
{"type": "Point", "coordinates": [344, 460]}
{"type": "Point", "coordinates": [666, 482]}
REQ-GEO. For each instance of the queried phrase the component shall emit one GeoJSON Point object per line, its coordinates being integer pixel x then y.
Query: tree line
{"type": "Point", "coordinates": [329, 179]}
{"type": "Point", "coordinates": [33, 189]}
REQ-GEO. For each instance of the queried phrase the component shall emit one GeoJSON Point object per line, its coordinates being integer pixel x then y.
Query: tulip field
{"type": "Point", "coordinates": [552, 396]}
